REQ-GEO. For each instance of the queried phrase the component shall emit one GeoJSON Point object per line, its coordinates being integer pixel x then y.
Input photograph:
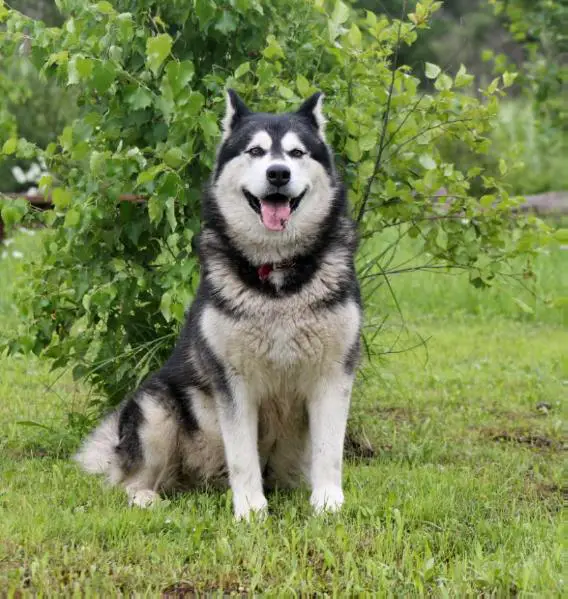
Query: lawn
{"type": "Point", "coordinates": [461, 494]}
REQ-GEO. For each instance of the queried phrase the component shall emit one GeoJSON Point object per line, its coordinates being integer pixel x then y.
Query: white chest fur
{"type": "Point", "coordinates": [279, 347]}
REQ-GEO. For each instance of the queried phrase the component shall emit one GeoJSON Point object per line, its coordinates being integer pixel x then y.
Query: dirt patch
{"type": "Point", "coordinates": [548, 490]}
{"type": "Point", "coordinates": [187, 590]}
{"type": "Point", "coordinates": [397, 413]}
{"type": "Point", "coordinates": [358, 447]}
{"type": "Point", "coordinates": [535, 440]}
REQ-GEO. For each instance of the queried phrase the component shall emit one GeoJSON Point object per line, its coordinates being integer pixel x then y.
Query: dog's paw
{"type": "Point", "coordinates": [142, 497]}
{"type": "Point", "coordinates": [327, 499]}
{"type": "Point", "coordinates": [247, 507]}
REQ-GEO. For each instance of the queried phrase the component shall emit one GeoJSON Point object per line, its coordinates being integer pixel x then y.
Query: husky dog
{"type": "Point", "coordinates": [257, 389]}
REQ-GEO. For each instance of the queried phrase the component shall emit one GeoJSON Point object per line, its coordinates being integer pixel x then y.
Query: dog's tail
{"type": "Point", "coordinates": [98, 455]}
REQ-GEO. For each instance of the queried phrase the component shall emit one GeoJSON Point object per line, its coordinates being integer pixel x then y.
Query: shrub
{"type": "Point", "coordinates": [532, 140]}
{"type": "Point", "coordinates": [111, 287]}
{"type": "Point", "coordinates": [541, 26]}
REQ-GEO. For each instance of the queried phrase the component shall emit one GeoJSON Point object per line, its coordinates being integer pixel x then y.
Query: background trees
{"type": "Point", "coordinates": [137, 93]}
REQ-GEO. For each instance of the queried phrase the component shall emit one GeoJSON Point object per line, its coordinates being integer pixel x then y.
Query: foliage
{"type": "Point", "coordinates": [110, 289]}
{"type": "Point", "coordinates": [32, 106]}
{"type": "Point", "coordinates": [539, 148]}
{"type": "Point", "coordinates": [542, 27]}
{"type": "Point", "coordinates": [457, 32]}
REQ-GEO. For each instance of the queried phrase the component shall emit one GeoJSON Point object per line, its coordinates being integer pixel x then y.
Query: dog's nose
{"type": "Point", "coordinates": [278, 174]}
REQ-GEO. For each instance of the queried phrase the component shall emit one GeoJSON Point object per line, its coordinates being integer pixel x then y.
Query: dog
{"type": "Point", "coordinates": [257, 390]}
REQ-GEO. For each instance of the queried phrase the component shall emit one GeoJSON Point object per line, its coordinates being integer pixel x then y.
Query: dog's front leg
{"type": "Point", "coordinates": [238, 416]}
{"type": "Point", "coordinates": [328, 408]}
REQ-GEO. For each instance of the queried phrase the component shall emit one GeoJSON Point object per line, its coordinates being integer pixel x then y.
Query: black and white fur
{"type": "Point", "coordinates": [257, 389]}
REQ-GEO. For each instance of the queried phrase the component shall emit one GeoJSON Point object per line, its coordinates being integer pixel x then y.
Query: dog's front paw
{"type": "Point", "coordinates": [246, 506]}
{"type": "Point", "coordinates": [142, 497]}
{"type": "Point", "coordinates": [327, 499]}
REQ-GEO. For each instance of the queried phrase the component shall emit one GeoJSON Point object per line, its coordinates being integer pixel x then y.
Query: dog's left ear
{"type": "Point", "coordinates": [235, 110]}
{"type": "Point", "coordinates": [312, 108]}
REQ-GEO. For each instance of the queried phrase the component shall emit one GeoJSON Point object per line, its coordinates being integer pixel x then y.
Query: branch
{"type": "Point", "coordinates": [386, 115]}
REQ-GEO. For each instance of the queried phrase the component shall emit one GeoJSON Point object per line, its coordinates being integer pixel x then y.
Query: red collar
{"type": "Point", "coordinates": [264, 270]}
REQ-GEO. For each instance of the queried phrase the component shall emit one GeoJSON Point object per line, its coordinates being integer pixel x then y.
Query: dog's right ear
{"type": "Point", "coordinates": [235, 110]}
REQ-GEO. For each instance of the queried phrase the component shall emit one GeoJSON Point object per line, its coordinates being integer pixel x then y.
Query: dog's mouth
{"type": "Point", "coordinates": [275, 209]}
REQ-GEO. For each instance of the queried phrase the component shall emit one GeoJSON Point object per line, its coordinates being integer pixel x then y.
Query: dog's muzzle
{"type": "Point", "coordinates": [275, 209]}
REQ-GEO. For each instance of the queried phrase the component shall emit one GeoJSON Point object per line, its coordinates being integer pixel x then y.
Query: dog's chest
{"type": "Point", "coordinates": [278, 341]}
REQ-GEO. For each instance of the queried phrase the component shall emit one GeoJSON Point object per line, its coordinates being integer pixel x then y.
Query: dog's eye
{"type": "Point", "coordinates": [257, 152]}
{"type": "Point", "coordinates": [296, 153]}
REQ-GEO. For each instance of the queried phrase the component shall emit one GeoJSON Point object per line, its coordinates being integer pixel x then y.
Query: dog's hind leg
{"type": "Point", "coordinates": [152, 445]}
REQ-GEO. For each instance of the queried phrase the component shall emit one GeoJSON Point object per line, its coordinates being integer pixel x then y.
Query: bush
{"type": "Point", "coordinates": [32, 106]}
{"type": "Point", "coordinates": [541, 26]}
{"type": "Point", "coordinates": [539, 148]}
{"type": "Point", "coordinates": [110, 289]}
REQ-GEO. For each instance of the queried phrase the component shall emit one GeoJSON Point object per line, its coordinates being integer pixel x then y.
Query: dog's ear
{"type": "Point", "coordinates": [235, 110]}
{"type": "Point", "coordinates": [312, 108]}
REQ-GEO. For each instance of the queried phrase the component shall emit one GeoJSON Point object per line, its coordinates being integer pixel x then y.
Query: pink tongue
{"type": "Point", "coordinates": [274, 216]}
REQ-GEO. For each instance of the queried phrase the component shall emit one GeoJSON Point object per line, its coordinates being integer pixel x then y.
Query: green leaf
{"type": "Point", "coordinates": [97, 162]}
{"type": "Point", "coordinates": [340, 12]}
{"type": "Point", "coordinates": [561, 235]}
{"type": "Point", "coordinates": [103, 76]}
{"type": "Point", "coordinates": [205, 11]}
{"type": "Point", "coordinates": [273, 50]}
{"type": "Point", "coordinates": [61, 57]}
{"type": "Point", "coordinates": [155, 209]}
{"type": "Point", "coordinates": [354, 36]}
{"type": "Point", "coordinates": [10, 146]}
{"type": "Point", "coordinates": [13, 212]}
{"type": "Point", "coordinates": [105, 8]}
{"type": "Point", "coordinates": [208, 124]}
{"type": "Point", "coordinates": [72, 218]}
{"type": "Point", "coordinates": [79, 68]}
{"type": "Point", "coordinates": [165, 304]}
{"type": "Point", "coordinates": [195, 103]}
{"type": "Point", "coordinates": [140, 99]}
{"type": "Point", "coordinates": [353, 150]}
{"type": "Point", "coordinates": [150, 174]}
{"type": "Point", "coordinates": [493, 86]}
{"type": "Point", "coordinates": [368, 141]}
{"type": "Point", "coordinates": [179, 74]}
{"type": "Point", "coordinates": [61, 198]}
{"type": "Point", "coordinates": [442, 239]}
{"type": "Point", "coordinates": [432, 70]}
{"type": "Point", "coordinates": [171, 213]}
{"type": "Point", "coordinates": [157, 50]}
{"type": "Point", "coordinates": [427, 161]}
{"type": "Point", "coordinates": [463, 78]}
{"type": "Point", "coordinates": [509, 78]}
{"type": "Point", "coordinates": [285, 92]}
{"type": "Point", "coordinates": [227, 23]}
{"type": "Point", "coordinates": [242, 69]}
{"type": "Point", "coordinates": [174, 157]}
{"type": "Point", "coordinates": [303, 85]}
{"type": "Point", "coordinates": [443, 82]}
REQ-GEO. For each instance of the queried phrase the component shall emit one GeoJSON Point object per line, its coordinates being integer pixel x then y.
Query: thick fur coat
{"type": "Point", "coordinates": [257, 390]}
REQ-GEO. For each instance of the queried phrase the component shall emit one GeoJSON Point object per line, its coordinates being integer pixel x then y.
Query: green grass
{"type": "Point", "coordinates": [463, 496]}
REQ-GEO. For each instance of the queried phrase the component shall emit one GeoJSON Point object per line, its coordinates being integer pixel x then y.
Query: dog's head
{"type": "Point", "coordinates": [274, 182]}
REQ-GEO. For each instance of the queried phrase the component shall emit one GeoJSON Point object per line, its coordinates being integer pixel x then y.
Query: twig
{"type": "Point", "coordinates": [385, 123]}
